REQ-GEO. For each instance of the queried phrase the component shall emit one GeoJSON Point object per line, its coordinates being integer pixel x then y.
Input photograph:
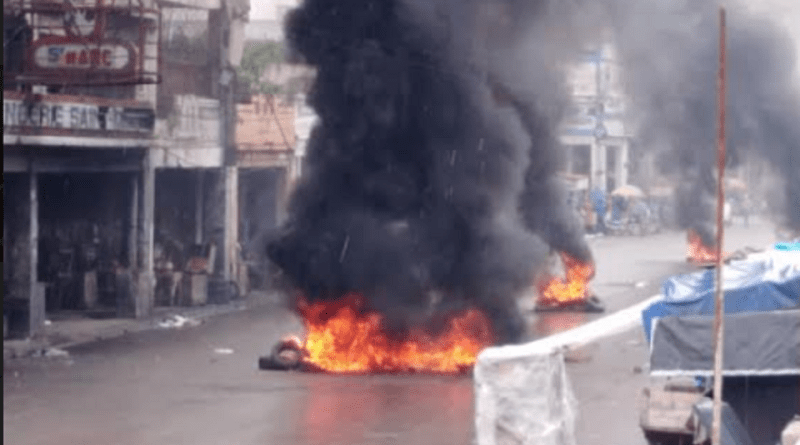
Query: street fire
{"type": "Point", "coordinates": [343, 338]}
{"type": "Point", "coordinates": [573, 289]}
{"type": "Point", "coordinates": [697, 252]}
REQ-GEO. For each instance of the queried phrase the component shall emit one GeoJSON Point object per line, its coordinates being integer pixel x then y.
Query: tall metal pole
{"type": "Point", "coordinates": [719, 311]}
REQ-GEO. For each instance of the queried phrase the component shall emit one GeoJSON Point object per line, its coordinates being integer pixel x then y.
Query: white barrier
{"type": "Point", "coordinates": [522, 393]}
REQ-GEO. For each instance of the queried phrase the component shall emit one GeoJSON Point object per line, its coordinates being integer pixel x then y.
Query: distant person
{"type": "Point", "coordinates": [598, 197]}
{"type": "Point", "coordinates": [590, 217]}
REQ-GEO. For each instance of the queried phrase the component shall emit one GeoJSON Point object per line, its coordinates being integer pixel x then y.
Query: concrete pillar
{"type": "Point", "coordinates": [569, 154]}
{"type": "Point", "coordinates": [231, 225]}
{"type": "Point", "coordinates": [598, 169]}
{"type": "Point", "coordinates": [146, 277]}
{"type": "Point", "coordinates": [214, 216]}
{"type": "Point", "coordinates": [284, 184]}
{"type": "Point", "coordinates": [220, 21]}
{"type": "Point", "coordinates": [16, 215]}
{"type": "Point", "coordinates": [36, 314]}
{"type": "Point", "coordinates": [198, 208]}
{"type": "Point", "coordinates": [24, 303]}
{"type": "Point", "coordinates": [134, 218]}
{"type": "Point", "coordinates": [623, 163]}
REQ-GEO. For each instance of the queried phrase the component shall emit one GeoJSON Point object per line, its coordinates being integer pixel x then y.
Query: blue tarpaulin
{"type": "Point", "coordinates": [762, 282]}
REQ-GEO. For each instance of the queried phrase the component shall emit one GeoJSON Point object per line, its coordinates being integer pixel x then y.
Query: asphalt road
{"type": "Point", "coordinates": [201, 386]}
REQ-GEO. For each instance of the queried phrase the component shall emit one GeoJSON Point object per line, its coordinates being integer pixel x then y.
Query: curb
{"type": "Point", "coordinates": [36, 347]}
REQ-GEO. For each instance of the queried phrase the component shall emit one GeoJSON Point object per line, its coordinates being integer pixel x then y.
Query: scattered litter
{"type": "Point", "coordinates": [177, 322]}
{"type": "Point", "coordinates": [640, 284]}
{"type": "Point", "coordinates": [637, 369]}
{"type": "Point", "coordinates": [224, 351]}
{"type": "Point", "coordinates": [48, 322]}
{"type": "Point", "coordinates": [55, 352]}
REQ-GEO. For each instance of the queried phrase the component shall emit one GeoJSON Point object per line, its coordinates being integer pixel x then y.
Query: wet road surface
{"type": "Point", "coordinates": [175, 387]}
{"type": "Point", "coordinates": [201, 385]}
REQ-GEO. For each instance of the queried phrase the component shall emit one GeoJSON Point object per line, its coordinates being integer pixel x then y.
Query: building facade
{"type": "Point", "coordinates": [594, 134]}
{"type": "Point", "coordinates": [79, 116]}
{"type": "Point", "coordinates": [103, 140]}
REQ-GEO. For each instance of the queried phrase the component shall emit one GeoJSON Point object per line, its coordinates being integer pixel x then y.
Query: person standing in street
{"type": "Point", "coordinates": [598, 197]}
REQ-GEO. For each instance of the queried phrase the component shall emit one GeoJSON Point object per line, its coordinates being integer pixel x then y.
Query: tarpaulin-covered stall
{"type": "Point", "coordinates": [763, 281]}
{"type": "Point", "coordinates": [761, 356]}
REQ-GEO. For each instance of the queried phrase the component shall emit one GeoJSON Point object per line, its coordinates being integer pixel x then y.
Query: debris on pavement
{"type": "Point", "coordinates": [223, 351]}
{"type": "Point", "coordinates": [286, 355]}
{"type": "Point", "coordinates": [591, 304]}
{"type": "Point", "coordinates": [50, 353]}
{"type": "Point", "coordinates": [55, 352]}
{"type": "Point", "coordinates": [177, 322]}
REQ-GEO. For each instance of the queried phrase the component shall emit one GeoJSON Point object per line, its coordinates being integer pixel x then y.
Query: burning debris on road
{"type": "Point", "coordinates": [570, 292]}
{"type": "Point", "coordinates": [431, 173]}
{"type": "Point", "coordinates": [343, 337]}
{"type": "Point", "coordinates": [429, 187]}
{"type": "Point", "coordinates": [287, 354]}
{"type": "Point", "coordinates": [700, 254]}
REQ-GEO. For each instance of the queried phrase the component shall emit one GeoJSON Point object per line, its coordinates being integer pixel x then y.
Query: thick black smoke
{"type": "Point", "coordinates": [432, 170]}
{"type": "Point", "coordinates": [669, 53]}
{"type": "Point", "coordinates": [415, 176]}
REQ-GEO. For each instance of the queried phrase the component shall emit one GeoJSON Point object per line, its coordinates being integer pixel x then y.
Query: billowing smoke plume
{"type": "Point", "coordinates": [415, 175]}
{"type": "Point", "coordinates": [669, 53]}
{"type": "Point", "coordinates": [432, 169]}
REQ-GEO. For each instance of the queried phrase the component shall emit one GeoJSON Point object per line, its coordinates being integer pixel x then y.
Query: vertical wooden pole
{"type": "Point", "coordinates": [719, 309]}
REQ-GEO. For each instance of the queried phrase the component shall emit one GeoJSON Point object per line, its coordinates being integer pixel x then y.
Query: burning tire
{"type": "Point", "coordinates": [591, 304]}
{"type": "Point", "coordinates": [286, 355]}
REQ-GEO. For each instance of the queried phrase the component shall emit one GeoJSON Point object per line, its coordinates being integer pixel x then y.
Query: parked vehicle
{"type": "Point", "coordinates": [761, 371]}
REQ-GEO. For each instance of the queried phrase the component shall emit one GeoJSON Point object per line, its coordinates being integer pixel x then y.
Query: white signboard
{"type": "Point", "coordinates": [76, 116]}
{"type": "Point", "coordinates": [74, 55]}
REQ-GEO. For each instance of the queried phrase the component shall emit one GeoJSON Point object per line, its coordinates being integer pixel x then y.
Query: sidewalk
{"type": "Point", "coordinates": [59, 334]}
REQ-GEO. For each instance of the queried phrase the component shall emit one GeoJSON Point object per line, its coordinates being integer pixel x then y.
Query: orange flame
{"type": "Point", "coordinates": [697, 252]}
{"type": "Point", "coordinates": [574, 288]}
{"type": "Point", "coordinates": [343, 338]}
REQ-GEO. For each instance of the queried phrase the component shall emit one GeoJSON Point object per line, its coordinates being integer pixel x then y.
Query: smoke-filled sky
{"type": "Point", "coordinates": [432, 169]}
{"type": "Point", "coordinates": [670, 66]}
